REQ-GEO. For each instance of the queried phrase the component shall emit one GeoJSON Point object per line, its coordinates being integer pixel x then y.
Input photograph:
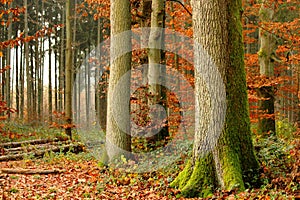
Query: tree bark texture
{"type": "Point", "coordinates": [155, 71]}
{"type": "Point", "coordinates": [266, 62]}
{"type": "Point", "coordinates": [27, 67]}
{"type": "Point", "coordinates": [231, 163]}
{"type": "Point", "coordinates": [68, 69]}
{"type": "Point", "coordinates": [118, 138]}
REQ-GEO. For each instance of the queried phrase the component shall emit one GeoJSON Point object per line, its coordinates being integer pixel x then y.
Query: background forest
{"type": "Point", "coordinates": [54, 75]}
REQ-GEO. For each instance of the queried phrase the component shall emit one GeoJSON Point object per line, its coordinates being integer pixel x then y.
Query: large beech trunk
{"type": "Point", "coordinates": [231, 163]}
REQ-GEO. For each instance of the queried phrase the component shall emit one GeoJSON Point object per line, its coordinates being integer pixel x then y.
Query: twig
{"type": "Point", "coordinates": [177, 1]}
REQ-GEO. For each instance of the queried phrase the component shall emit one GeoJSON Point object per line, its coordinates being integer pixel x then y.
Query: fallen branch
{"type": "Point", "coordinates": [30, 171]}
{"type": "Point", "coordinates": [35, 147]}
{"type": "Point", "coordinates": [74, 148]}
{"type": "Point", "coordinates": [38, 141]}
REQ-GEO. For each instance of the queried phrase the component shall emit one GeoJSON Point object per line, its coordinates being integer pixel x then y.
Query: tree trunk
{"type": "Point", "coordinates": [7, 72]}
{"type": "Point", "coordinates": [50, 107]}
{"type": "Point", "coordinates": [179, 69]}
{"type": "Point", "coordinates": [140, 109]}
{"type": "Point", "coordinates": [27, 67]}
{"type": "Point", "coordinates": [118, 138]}
{"type": "Point", "coordinates": [17, 80]}
{"type": "Point", "coordinates": [266, 55]}
{"type": "Point", "coordinates": [145, 22]}
{"type": "Point", "coordinates": [68, 70]}
{"type": "Point", "coordinates": [21, 112]}
{"type": "Point", "coordinates": [227, 161]}
{"type": "Point", "coordinates": [40, 70]}
{"type": "Point", "coordinates": [102, 82]}
{"type": "Point", "coordinates": [62, 65]}
{"type": "Point", "coordinates": [32, 84]}
{"type": "Point", "coordinates": [87, 86]}
{"type": "Point", "coordinates": [55, 76]}
{"type": "Point", "coordinates": [79, 77]}
{"type": "Point", "coordinates": [155, 72]}
{"type": "Point", "coordinates": [40, 80]}
{"type": "Point", "coordinates": [74, 53]}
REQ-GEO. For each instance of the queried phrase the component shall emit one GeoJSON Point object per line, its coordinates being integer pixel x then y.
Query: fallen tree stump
{"type": "Point", "coordinates": [30, 171]}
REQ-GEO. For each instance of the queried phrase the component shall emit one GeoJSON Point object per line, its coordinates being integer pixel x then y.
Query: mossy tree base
{"type": "Point", "coordinates": [218, 28]}
{"type": "Point", "coordinates": [196, 179]}
{"type": "Point", "coordinates": [201, 177]}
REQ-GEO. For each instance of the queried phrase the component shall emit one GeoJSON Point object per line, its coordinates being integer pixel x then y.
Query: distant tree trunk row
{"type": "Point", "coordinates": [35, 85]}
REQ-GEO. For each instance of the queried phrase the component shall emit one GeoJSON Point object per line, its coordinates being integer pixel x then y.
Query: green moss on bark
{"type": "Point", "coordinates": [197, 179]}
{"type": "Point", "coordinates": [231, 169]}
{"type": "Point", "coordinates": [103, 160]}
{"type": "Point", "coordinates": [237, 120]}
{"type": "Point", "coordinates": [183, 176]}
{"type": "Point", "coordinates": [233, 162]}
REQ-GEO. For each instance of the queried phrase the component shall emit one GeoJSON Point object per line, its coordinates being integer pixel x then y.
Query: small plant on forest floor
{"type": "Point", "coordinates": [285, 129]}
{"type": "Point", "coordinates": [13, 190]}
{"type": "Point", "coordinates": [279, 161]}
{"type": "Point", "coordinates": [13, 177]}
{"type": "Point", "coordinates": [17, 131]}
{"type": "Point", "coordinates": [53, 190]}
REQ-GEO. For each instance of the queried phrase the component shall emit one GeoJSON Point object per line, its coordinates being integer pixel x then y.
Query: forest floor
{"type": "Point", "coordinates": [79, 176]}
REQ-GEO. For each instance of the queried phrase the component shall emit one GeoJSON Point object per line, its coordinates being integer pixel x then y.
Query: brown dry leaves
{"type": "Point", "coordinates": [81, 180]}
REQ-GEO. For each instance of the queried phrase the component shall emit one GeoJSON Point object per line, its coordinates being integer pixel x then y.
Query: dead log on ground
{"type": "Point", "coordinates": [30, 171]}
{"type": "Point", "coordinates": [37, 141]}
{"type": "Point", "coordinates": [74, 148]}
{"type": "Point", "coordinates": [28, 148]}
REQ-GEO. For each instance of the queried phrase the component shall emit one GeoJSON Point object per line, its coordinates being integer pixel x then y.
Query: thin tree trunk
{"type": "Point", "coordinates": [61, 65]}
{"type": "Point", "coordinates": [22, 64]}
{"type": "Point", "coordinates": [101, 81]}
{"type": "Point", "coordinates": [87, 86]}
{"type": "Point", "coordinates": [78, 98]}
{"type": "Point", "coordinates": [74, 51]}
{"type": "Point", "coordinates": [17, 80]}
{"type": "Point", "coordinates": [50, 108]}
{"type": "Point", "coordinates": [140, 110]}
{"type": "Point", "coordinates": [2, 64]}
{"type": "Point", "coordinates": [40, 74]}
{"type": "Point", "coordinates": [32, 84]}
{"type": "Point", "coordinates": [68, 69]}
{"type": "Point", "coordinates": [266, 62]}
{"type": "Point", "coordinates": [41, 80]}
{"type": "Point", "coordinates": [27, 66]}
{"type": "Point", "coordinates": [37, 74]}
{"type": "Point", "coordinates": [8, 54]}
{"type": "Point", "coordinates": [177, 67]}
{"type": "Point", "coordinates": [156, 72]}
{"type": "Point", "coordinates": [145, 22]}
{"type": "Point", "coordinates": [56, 76]}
